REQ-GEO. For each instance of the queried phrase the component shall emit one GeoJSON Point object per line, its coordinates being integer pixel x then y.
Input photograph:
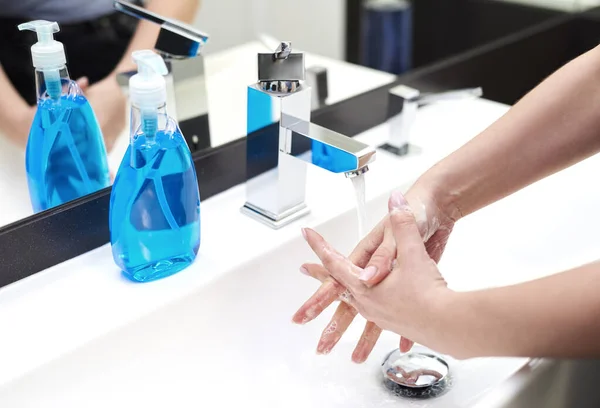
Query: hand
{"type": "Point", "coordinates": [414, 283]}
{"type": "Point", "coordinates": [109, 105]}
{"type": "Point", "coordinates": [376, 250]}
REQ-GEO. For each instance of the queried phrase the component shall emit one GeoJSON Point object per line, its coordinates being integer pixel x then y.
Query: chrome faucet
{"type": "Point", "coordinates": [180, 45]}
{"type": "Point", "coordinates": [407, 100]}
{"type": "Point", "coordinates": [281, 140]}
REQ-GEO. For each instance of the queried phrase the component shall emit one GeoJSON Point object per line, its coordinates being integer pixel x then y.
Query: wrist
{"type": "Point", "coordinates": [454, 322]}
{"type": "Point", "coordinates": [439, 193]}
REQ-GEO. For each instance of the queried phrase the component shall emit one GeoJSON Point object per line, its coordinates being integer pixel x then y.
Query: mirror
{"type": "Point", "coordinates": [208, 93]}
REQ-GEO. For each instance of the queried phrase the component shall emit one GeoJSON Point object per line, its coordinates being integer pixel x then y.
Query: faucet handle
{"type": "Point", "coordinates": [281, 70]}
{"type": "Point", "coordinates": [283, 50]}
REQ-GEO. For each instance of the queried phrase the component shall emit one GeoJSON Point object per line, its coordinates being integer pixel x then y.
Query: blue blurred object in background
{"type": "Point", "coordinates": [387, 35]}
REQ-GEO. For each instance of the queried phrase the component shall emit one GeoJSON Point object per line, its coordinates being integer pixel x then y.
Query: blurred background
{"type": "Point", "coordinates": [339, 28]}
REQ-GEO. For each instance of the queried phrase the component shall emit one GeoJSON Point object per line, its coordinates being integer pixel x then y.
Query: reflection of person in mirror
{"type": "Point", "coordinates": [553, 127]}
{"type": "Point", "coordinates": [98, 42]}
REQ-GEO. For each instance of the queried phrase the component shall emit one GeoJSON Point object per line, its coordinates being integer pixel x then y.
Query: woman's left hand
{"type": "Point", "coordinates": [410, 301]}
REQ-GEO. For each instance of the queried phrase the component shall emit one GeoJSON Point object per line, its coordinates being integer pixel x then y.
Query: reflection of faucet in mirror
{"type": "Point", "coordinates": [407, 100]}
{"type": "Point", "coordinates": [180, 45]}
{"type": "Point", "coordinates": [280, 98]}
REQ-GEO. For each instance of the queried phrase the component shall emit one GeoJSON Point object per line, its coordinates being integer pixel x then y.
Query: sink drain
{"type": "Point", "coordinates": [415, 374]}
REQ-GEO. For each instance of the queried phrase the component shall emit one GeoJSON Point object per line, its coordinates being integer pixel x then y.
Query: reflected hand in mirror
{"type": "Point", "coordinates": [376, 253]}
{"type": "Point", "coordinates": [109, 104]}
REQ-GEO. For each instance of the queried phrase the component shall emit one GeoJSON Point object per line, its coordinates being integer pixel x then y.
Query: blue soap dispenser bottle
{"type": "Point", "coordinates": [154, 203]}
{"type": "Point", "coordinates": [65, 157]}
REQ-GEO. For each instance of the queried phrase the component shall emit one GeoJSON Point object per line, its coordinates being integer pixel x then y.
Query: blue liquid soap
{"type": "Point", "coordinates": [65, 157]}
{"type": "Point", "coordinates": [155, 206]}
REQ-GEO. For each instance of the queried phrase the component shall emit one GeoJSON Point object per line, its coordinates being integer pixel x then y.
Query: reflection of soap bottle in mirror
{"type": "Point", "coordinates": [155, 203]}
{"type": "Point", "coordinates": [65, 157]}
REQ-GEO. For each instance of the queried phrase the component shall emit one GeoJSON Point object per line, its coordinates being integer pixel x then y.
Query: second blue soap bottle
{"type": "Point", "coordinates": [66, 157]}
{"type": "Point", "coordinates": [154, 203]}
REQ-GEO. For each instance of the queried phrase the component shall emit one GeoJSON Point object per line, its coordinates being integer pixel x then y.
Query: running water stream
{"type": "Point", "coordinates": [358, 183]}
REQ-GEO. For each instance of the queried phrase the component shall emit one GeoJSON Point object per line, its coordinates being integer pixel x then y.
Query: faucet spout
{"type": "Point", "coordinates": [343, 154]}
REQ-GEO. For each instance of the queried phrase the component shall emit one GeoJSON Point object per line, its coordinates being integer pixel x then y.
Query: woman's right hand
{"type": "Point", "coordinates": [375, 253]}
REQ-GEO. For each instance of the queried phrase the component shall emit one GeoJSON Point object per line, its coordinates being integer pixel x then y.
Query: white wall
{"type": "Point", "coordinates": [226, 21]}
{"type": "Point", "coordinates": [316, 26]}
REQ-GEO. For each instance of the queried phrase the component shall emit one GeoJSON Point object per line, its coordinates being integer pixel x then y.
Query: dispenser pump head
{"type": "Point", "coordinates": [47, 53]}
{"type": "Point", "coordinates": [147, 88]}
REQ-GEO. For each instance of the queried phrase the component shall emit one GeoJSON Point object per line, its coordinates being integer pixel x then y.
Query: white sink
{"type": "Point", "coordinates": [232, 344]}
{"type": "Point", "coordinates": [219, 334]}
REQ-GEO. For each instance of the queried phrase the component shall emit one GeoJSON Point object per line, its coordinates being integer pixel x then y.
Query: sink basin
{"type": "Point", "coordinates": [232, 343]}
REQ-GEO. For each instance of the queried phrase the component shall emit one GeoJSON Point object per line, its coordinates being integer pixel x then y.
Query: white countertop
{"type": "Point", "coordinates": [228, 74]}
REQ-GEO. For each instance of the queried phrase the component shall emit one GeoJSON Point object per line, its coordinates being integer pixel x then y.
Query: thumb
{"type": "Point", "coordinates": [406, 232]}
{"type": "Point", "coordinates": [83, 83]}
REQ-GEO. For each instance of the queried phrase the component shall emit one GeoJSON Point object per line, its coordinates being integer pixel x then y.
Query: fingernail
{"type": "Point", "coordinates": [323, 348]}
{"type": "Point", "coordinates": [405, 344]}
{"type": "Point", "coordinates": [397, 201]}
{"type": "Point", "coordinates": [304, 233]}
{"type": "Point", "coordinates": [367, 273]}
{"type": "Point", "coordinates": [359, 356]}
{"type": "Point", "coordinates": [300, 319]}
{"type": "Point", "coordinates": [304, 271]}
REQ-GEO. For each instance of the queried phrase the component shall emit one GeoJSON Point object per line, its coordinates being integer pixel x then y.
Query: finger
{"type": "Point", "coordinates": [336, 328]}
{"type": "Point", "coordinates": [359, 256]}
{"type": "Point", "coordinates": [329, 291]}
{"type": "Point", "coordinates": [366, 343]}
{"type": "Point", "coordinates": [405, 344]}
{"type": "Point", "coordinates": [406, 233]}
{"type": "Point", "coordinates": [319, 301]}
{"type": "Point", "coordinates": [367, 246]}
{"type": "Point", "coordinates": [339, 267]}
{"type": "Point", "coordinates": [380, 264]}
{"type": "Point", "coordinates": [83, 83]}
{"type": "Point", "coordinates": [316, 271]}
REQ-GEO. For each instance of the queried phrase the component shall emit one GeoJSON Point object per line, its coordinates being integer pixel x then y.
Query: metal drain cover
{"type": "Point", "coordinates": [415, 374]}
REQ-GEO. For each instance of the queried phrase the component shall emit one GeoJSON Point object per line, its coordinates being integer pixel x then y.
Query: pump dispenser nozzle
{"type": "Point", "coordinates": [147, 88]}
{"type": "Point", "coordinates": [48, 55]}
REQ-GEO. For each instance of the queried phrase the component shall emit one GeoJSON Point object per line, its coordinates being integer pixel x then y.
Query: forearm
{"type": "Point", "coordinates": [146, 34]}
{"type": "Point", "coordinates": [13, 110]}
{"type": "Point", "coordinates": [551, 128]}
{"type": "Point", "coordinates": [557, 316]}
